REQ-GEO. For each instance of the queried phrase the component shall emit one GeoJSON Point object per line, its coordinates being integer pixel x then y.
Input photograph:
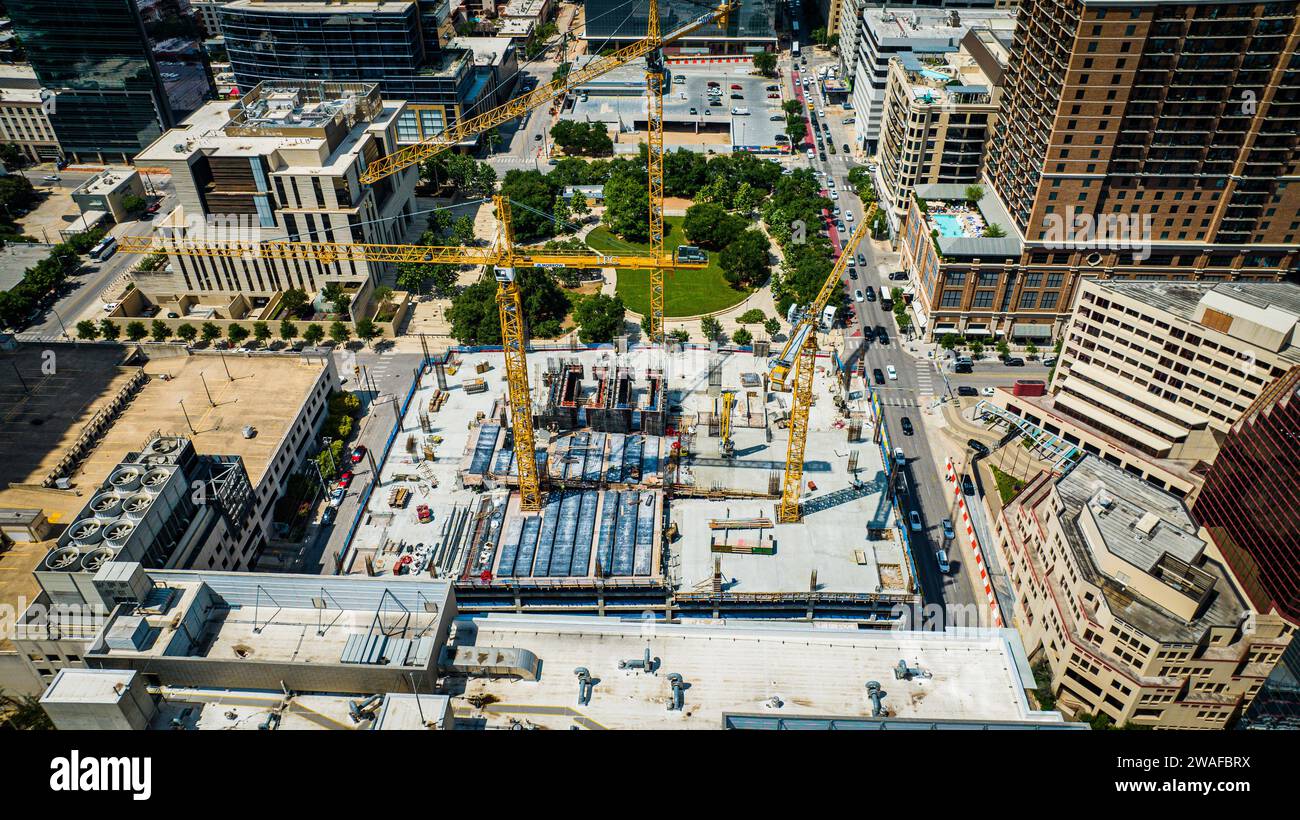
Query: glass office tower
{"type": "Point", "coordinates": [752, 28]}
{"type": "Point", "coordinates": [101, 59]}
{"type": "Point", "coordinates": [394, 45]}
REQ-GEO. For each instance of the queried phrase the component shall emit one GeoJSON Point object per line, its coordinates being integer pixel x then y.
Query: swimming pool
{"type": "Point", "coordinates": [934, 75]}
{"type": "Point", "coordinates": [948, 225]}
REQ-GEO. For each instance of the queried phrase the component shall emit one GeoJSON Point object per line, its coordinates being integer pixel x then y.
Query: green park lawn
{"type": "Point", "coordinates": [686, 292]}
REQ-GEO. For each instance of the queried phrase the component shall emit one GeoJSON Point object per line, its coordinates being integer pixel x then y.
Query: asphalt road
{"type": "Point", "coordinates": [88, 285]}
{"type": "Point", "coordinates": [918, 380]}
{"type": "Point", "coordinates": [384, 379]}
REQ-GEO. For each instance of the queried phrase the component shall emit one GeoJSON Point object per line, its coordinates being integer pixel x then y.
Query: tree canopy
{"type": "Point", "coordinates": [475, 317]}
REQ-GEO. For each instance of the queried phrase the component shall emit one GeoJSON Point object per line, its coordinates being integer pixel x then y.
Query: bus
{"type": "Point", "coordinates": [106, 248]}
{"type": "Point", "coordinates": [794, 45]}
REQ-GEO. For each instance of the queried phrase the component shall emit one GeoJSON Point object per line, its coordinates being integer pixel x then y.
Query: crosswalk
{"type": "Point", "coordinates": [894, 397]}
{"type": "Point", "coordinates": [925, 378]}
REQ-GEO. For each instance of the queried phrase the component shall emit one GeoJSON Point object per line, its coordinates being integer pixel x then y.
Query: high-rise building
{"type": "Point", "coordinates": [1136, 618]}
{"type": "Point", "coordinates": [24, 118]}
{"type": "Point", "coordinates": [1155, 376]}
{"type": "Point", "coordinates": [1250, 504]}
{"type": "Point", "coordinates": [1139, 140]}
{"type": "Point", "coordinates": [937, 117]}
{"type": "Point", "coordinates": [396, 45]}
{"type": "Point", "coordinates": [749, 29]}
{"type": "Point", "coordinates": [120, 72]}
{"type": "Point", "coordinates": [282, 163]}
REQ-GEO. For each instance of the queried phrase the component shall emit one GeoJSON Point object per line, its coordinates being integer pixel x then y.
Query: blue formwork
{"type": "Point", "coordinates": [562, 552]}
{"type": "Point", "coordinates": [645, 535]}
{"type": "Point", "coordinates": [509, 547]}
{"type": "Point", "coordinates": [528, 545]}
{"type": "Point", "coordinates": [650, 456]}
{"type": "Point", "coordinates": [540, 461]}
{"type": "Point", "coordinates": [581, 564]}
{"type": "Point", "coordinates": [546, 538]}
{"type": "Point", "coordinates": [577, 455]}
{"type": "Point", "coordinates": [605, 536]}
{"type": "Point", "coordinates": [615, 471]}
{"type": "Point", "coordinates": [501, 464]}
{"type": "Point", "coordinates": [632, 460]}
{"type": "Point", "coordinates": [625, 533]}
{"type": "Point", "coordinates": [495, 530]}
{"type": "Point", "coordinates": [487, 442]}
{"type": "Point", "coordinates": [595, 458]}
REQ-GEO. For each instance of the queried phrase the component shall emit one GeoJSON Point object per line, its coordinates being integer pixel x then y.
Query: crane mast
{"type": "Point", "coordinates": [655, 168]}
{"type": "Point", "coordinates": [800, 357]}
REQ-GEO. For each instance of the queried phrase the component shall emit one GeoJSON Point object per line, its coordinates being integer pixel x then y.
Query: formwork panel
{"type": "Point", "coordinates": [625, 533]}
{"type": "Point", "coordinates": [528, 544]}
{"type": "Point", "coordinates": [650, 456]}
{"type": "Point", "coordinates": [632, 459]}
{"type": "Point", "coordinates": [605, 536]}
{"type": "Point", "coordinates": [546, 539]}
{"type": "Point", "coordinates": [509, 547]}
{"type": "Point", "coordinates": [581, 563]}
{"type": "Point", "coordinates": [614, 472]}
{"type": "Point", "coordinates": [595, 458]}
{"type": "Point", "coordinates": [645, 534]}
{"type": "Point", "coordinates": [487, 442]}
{"type": "Point", "coordinates": [562, 552]}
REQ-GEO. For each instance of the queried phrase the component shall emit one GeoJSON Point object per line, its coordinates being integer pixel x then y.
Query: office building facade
{"type": "Point", "coordinates": [120, 72]}
{"type": "Point", "coordinates": [1155, 376]}
{"type": "Point", "coordinates": [1141, 141]}
{"type": "Point", "coordinates": [395, 45]}
{"type": "Point", "coordinates": [1135, 618]}
{"type": "Point", "coordinates": [283, 163]}
{"type": "Point", "coordinates": [748, 30]}
{"type": "Point", "coordinates": [1250, 504]}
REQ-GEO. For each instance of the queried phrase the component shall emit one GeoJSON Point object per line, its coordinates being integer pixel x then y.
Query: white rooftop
{"type": "Point", "coordinates": [739, 666]}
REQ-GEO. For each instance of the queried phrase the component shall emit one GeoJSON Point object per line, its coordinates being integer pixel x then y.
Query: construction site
{"type": "Point", "coordinates": [661, 476]}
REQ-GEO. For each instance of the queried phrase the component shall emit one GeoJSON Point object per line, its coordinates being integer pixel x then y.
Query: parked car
{"type": "Point", "coordinates": [948, 531]}
{"type": "Point", "coordinates": [941, 558]}
{"type": "Point", "coordinates": [358, 454]}
{"type": "Point", "coordinates": [1014, 361]}
{"type": "Point", "coordinates": [898, 276]}
{"type": "Point", "coordinates": [967, 486]}
{"type": "Point", "coordinates": [735, 86]}
{"type": "Point", "coordinates": [1048, 361]}
{"type": "Point", "coordinates": [862, 260]}
{"type": "Point", "coordinates": [967, 390]}
{"type": "Point", "coordinates": [345, 480]}
{"type": "Point", "coordinates": [847, 149]}
{"type": "Point", "coordinates": [987, 391]}
{"type": "Point", "coordinates": [878, 376]}
{"type": "Point", "coordinates": [915, 518]}
{"type": "Point", "coordinates": [51, 177]}
{"type": "Point", "coordinates": [900, 458]}
{"type": "Point", "coordinates": [336, 497]}
{"type": "Point", "coordinates": [327, 517]}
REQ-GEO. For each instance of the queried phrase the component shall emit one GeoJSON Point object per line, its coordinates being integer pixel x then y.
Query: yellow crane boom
{"type": "Point", "coordinates": [504, 258]}
{"type": "Point", "coordinates": [542, 95]}
{"type": "Point", "coordinates": [800, 354]}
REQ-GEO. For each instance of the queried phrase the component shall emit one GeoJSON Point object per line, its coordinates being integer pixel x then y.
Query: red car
{"type": "Point", "coordinates": [345, 480]}
{"type": "Point", "coordinates": [358, 454]}
{"type": "Point", "coordinates": [735, 86]}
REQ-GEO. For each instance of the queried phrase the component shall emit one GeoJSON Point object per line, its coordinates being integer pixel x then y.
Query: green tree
{"type": "Point", "coordinates": [475, 318]}
{"type": "Point", "coordinates": [765, 63]}
{"type": "Point", "coordinates": [536, 192]}
{"type": "Point", "coordinates": [23, 713]}
{"type": "Point", "coordinates": [87, 330]}
{"type": "Point", "coordinates": [339, 333]}
{"type": "Point", "coordinates": [463, 231]}
{"type": "Point", "coordinates": [133, 204]}
{"type": "Point", "coordinates": [210, 332]}
{"type": "Point", "coordinates": [294, 300]}
{"type": "Point", "coordinates": [261, 332]}
{"type": "Point", "coordinates": [187, 333]}
{"type": "Point", "coordinates": [236, 333]}
{"type": "Point", "coordinates": [976, 349]}
{"type": "Point", "coordinates": [753, 316]}
{"type": "Point", "coordinates": [974, 193]}
{"type": "Point", "coordinates": [744, 262]}
{"type": "Point", "coordinates": [579, 209]}
{"type": "Point", "coordinates": [1004, 349]}
{"type": "Point", "coordinates": [679, 337]}
{"type": "Point", "coordinates": [159, 331]}
{"type": "Point", "coordinates": [337, 297]}
{"type": "Point", "coordinates": [288, 330]}
{"type": "Point", "coordinates": [710, 327]}
{"type": "Point", "coordinates": [772, 326]}
{"type": "Point", "coordinates": [413, 277]}
{"type": "Point", "coordinates": [994, 231]}
{"type": "Point", "coordinates": [627, 207]}
{"type": "Point", "coordinates": [600, 318]}
{"type": "Point", "coordinates": [948, 342]}
{"type": "Point", "coordinates": [109, 329]}
{"type": "Point", "coordinates": [742, 337]}
{"type": "Point", "coordinates": [1031, 350]}
{"type": "Point", "coordinates": [313, 334]}
{"type": "Point", "coordinates": [367, 330]}
{"type": "Point", "coordinates": [710, 226]}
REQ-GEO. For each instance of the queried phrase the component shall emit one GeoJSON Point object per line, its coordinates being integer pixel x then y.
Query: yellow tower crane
{"type": "Point", "coordinates": [799, 355]}
{"type": "Point", "coordinates": [542, 95]}
{"type": "Point", "coordinates": [726, 446]}
{"type": "Point", "coordinates": [503, 256]}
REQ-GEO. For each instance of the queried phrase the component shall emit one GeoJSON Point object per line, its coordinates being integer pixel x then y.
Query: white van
{"type": "Point", "coordinates": [740, 112]}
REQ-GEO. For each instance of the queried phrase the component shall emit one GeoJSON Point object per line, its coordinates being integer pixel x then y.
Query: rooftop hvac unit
{"type": "Point", "coordinates": [118, 532]}
{"type": "Point", "coordinates": [93, 560]}
{"type": "Point", "coordinates": [155, 479]}
{"type": "Point", "coordinates": [87, 532]}
{"type": "Point", "coordinates": [125, 478]}
{"type": "Point", "coordinates": [137, 505]}
{"type": "Point", "coordinates": [64, 559]}
{"type": "Point", "coordinates": [106, 505]}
